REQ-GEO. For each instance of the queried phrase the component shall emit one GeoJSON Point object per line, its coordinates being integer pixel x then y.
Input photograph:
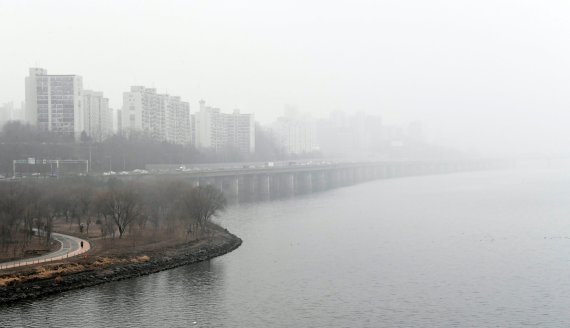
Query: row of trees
{"type": "Point", "coordinates": [118, 152]}
{"type": "Point", "coordinates": [116, 206]}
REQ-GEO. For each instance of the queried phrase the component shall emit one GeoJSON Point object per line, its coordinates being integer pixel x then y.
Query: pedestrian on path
{"type": "Point", "coordinates": [81, 244]}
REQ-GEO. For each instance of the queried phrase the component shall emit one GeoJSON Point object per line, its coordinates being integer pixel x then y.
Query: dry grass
{"type": "Point", "coordinates": [105, 261]}
{"type": "Point", "coordinates": [8, 280]}
{"type": "Point", "coordinates": [102, 262]}
{"type": "Point", "coordinates": [140, 259]}
{"type": "Point", "coordinates": [47, 272]}
{"type": "Point", "coordinates": [56, 271]}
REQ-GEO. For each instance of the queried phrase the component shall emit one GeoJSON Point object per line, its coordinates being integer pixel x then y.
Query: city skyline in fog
{"type": "Point", "coordinates": [490, 76]}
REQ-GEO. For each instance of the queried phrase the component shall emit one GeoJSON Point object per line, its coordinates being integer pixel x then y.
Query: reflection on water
{"type": "Point", "coordinates": [479, 249]}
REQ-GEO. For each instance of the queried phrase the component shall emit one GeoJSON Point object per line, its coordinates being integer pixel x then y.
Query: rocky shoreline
{"type": "Point", "coordinates": [161, 260]}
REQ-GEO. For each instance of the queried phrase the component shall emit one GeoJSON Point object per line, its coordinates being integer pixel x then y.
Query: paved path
{"type": "Point", "coordinates": [70, 246]}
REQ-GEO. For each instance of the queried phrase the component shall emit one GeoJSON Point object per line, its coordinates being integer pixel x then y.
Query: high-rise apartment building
{"type": "Point", "coordinates": [221, 131]}
{"type": "Point", "coordinates": [208, 128]}
{"type": "Point", "coordinates": [162, 116]}
{"type": "Point", "coordinates": [54, 102]}
{"type": "Point", "coordinates": [98, 116]}
{"type": "Point", "coordinates": [296, 134]}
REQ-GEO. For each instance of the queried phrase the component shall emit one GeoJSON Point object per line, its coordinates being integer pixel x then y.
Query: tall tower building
{"type": "Point", "coordinates": [54, 102]}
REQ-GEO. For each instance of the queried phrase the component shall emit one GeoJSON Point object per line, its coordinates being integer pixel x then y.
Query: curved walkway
{"type": "Point", "coordinates": [70, 246]}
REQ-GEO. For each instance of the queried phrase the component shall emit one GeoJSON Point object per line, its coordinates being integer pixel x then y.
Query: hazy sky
{"type": "Point", "coordinates": [485, 74]}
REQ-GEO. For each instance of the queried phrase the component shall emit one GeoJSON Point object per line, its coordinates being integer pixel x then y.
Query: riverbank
{"type": "Point", "coordinates": [44, 280]}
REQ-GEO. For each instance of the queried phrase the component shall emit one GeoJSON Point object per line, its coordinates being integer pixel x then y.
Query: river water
{"type": "Point", "coordinates": [461, 250]}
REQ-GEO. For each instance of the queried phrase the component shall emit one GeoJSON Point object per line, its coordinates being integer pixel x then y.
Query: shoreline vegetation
{"type": "Point", "coordinates": [135, 228]}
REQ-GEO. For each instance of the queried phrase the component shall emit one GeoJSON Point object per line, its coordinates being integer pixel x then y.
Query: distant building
{"type": "Point", "coordinates": [295, 134]}
{"type": "Point", "coordinates": [416, 132]}
{"type": "Point", "coordinates": [9, 113]}
{"type": "Point", "coordinates": [220, 131]}
{"type": "Point", "coordinates": [394, 135]}
{"type": "Point", "coordinates": [162, 116]}
{"type": "Point", "coordinates": [119, 121]}
{"type": "Point", "coordinates": [350, 135]}
{"type": "Point", "coordinates": [98, 116]}
{"type": "Point", "coordinates": [5, 113]}
{"type": "Point", "coordinates": [54, 102]}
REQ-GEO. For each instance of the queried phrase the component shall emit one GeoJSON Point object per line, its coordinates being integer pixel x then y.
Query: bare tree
{"type": "Point", "coordinates": [122, 204]}
{"type": "Point", "coordinates": [84, 196]}
{"type": "Point", "coordinates": [11, 211]}
{"type": "Point", "coordinates": [161, 200]}
{"type": "Point", "coordinates": [100, 204]}
{"type": "Point", "coordinates": [50, 205]}
{"type": "Point", "coordinates": [201, 204]}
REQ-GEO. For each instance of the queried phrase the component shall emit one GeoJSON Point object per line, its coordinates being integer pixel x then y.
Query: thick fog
{"type": "Point", "coordinates": [490, 76]}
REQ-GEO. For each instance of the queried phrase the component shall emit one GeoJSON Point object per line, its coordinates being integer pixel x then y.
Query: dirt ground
{"type": "Point", "coordinates": [20, 249]}
{"type": "Point", "coordinates": [133, 242]}
{"type": "Point", "coordinates": [106, 250]}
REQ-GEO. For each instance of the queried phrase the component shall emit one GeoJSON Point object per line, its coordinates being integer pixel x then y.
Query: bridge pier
{"type": "Point", "coordinates": [387, 172]}
{"type": "Point", "coordinates": [346, 177]}
{"type": "Point", "coordinates": [219, 183]}
{"type": "Point", "coordinates": [330, 178]}
{"type": "Point", "coordinates": [248, 188]}
{"type": "Point", "coordinates": [356, 175]}
{"type": "Point", "coordinates": [230, 188]}
{"type": "Point", "coordinates": [302, 183]}
{"type": "Point", "coordinates": [339, 178]}
{"type": "Point", "coordinates": [287, 184]}
{"type": "Point", "coordinates": [306, 182]}
{"type": "Point", "coordinates": [365, 174]}
{"type": "Point", "coordinates": [274, 186]}
{"type": "Point", "coordinates": [264, 187]}
{"type": "Point", "coordinates": [319, 181]}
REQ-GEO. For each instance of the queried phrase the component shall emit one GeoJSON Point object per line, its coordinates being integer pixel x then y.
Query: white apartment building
{"type": "Point", "coordinates": [98, 116]}
{"type": "Point", "coordinates": [54, 102]}
{"type": "Point", "coordinates": [295, 134]}
{"type": "Point", "coordinates": [162, 116]}
{"type": "Point", "coordinates": [221, 131]}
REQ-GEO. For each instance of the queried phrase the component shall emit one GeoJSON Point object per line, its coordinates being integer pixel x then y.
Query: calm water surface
{"type": "Point", "coordinates": [464, 250]}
